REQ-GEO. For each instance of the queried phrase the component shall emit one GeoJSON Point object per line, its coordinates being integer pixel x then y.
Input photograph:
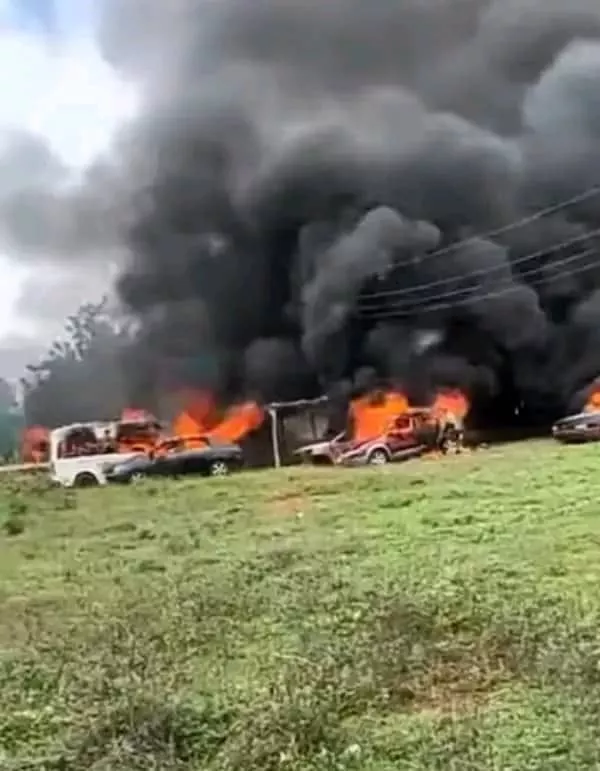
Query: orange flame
{"type": "Point", "coordinates": [145, 432]}
{"type": "Point", "coordinates": [185, 425]}
{"type": "Point", "coordinates": [372, 413]}
{"type": "Point", "coordinates": [200, 418]}
{"type": "Point", "coordinates": [237, 422]}
{"type": "Point", "coordinates": [197, 417]}
{"type": "Point", "coordinates": [451, 401]}
{"type": "Point", "coordinates": [35, 444]}
{"type": "Point", "coordinates": [593, 402]}
{"type": "Point", "coordinates": [200, 406]}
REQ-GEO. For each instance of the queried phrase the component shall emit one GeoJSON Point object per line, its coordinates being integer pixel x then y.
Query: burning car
{"type": "Point", "coordinates": [413, 433]}
{"type": "Point", "coordinates": [326, 451]}
{"type": "Point", "coordinates": [578, 429]}
{"type": "Point", "coordinates": [213, 459]}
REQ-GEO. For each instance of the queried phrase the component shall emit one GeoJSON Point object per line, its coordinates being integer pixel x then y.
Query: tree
{"type": "Point", "coordinates": [10, 420]}
{"type": "Point", "coordinates": [81, 377]}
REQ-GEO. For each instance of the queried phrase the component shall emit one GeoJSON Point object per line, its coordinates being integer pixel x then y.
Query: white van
{"type": "Point", "coordinates": [80, 453]}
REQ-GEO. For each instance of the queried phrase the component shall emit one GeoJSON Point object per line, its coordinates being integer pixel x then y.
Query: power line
{"type": "Point", "coordinates": [393, 293]}
{"type": "Point", "coordinates": [539, 214]}
{"type": "Point", "coordinates": [400, 311]}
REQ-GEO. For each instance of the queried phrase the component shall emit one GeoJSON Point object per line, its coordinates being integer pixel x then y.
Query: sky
{"type": "Point", "coordinates": [55, 84]}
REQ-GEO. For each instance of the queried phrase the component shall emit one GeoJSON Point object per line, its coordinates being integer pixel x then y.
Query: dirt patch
{"type": "Point", "coordinates": [419, 665]}
{"type": "Point", "coordinates": [449, 704]}
{"type": "Point", "coordinates": [288, 504]}
{"type": "Point", "coordinates": [446, 689]}
{"type": "Point", "coordinates": [455, 692]}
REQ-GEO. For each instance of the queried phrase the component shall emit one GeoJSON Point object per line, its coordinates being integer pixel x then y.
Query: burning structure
{"type": "Point", "coordinates": [290, 424]}
{"type": "Point", "coordinates": [330, 197]}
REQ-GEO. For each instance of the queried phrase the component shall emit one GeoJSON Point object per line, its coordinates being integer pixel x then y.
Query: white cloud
{"type": "Point", "coordinates": [67, 94]}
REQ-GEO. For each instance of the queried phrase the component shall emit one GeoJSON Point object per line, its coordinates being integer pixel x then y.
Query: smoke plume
{"type": "Point", "coordinates": [289, 197]}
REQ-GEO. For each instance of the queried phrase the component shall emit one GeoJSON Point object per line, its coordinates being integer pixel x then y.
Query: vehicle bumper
{"type": "Point", "coordinates": [117, 480]}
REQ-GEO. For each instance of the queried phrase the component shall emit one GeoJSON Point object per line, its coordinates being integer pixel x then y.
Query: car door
{"type": "Point", "coordinates": [195, 463]}
{"type": "Point", "coordinates": [164, 466]}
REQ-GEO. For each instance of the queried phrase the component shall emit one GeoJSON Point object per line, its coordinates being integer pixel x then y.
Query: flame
{"type": "Point", "coordinates": [593, 402]}
{"type": "Point", "coordinates": [145, 435]}
{"type": "Point", "coordinates": [237, 422]}
{"type": "Point", "coordinates": [200, 407]}
{"type": "Point", "coordinates": [200, 418]}
{"type": "Point", "coordinates": [197, 417]}
{"type": "Point", "coordinates": [185, 425]}
{"type": "Point", "coordinates": [451, 401]}
{"type": "Point", "coordinates": [372, 413]}
{"type": "Point", "coordinates": [35, 444]}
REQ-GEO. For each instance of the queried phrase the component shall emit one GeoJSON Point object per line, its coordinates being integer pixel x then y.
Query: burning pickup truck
{"type": "Point", "coordinates": [409, 435]}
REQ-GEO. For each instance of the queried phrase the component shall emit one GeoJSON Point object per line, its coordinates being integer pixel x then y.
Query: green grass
{"type": "Point", "coordinates": [438, 615]}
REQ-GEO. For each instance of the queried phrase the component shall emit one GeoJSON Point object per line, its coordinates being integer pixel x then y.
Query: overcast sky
{"type": "Point", "coordinates": [53, 83]}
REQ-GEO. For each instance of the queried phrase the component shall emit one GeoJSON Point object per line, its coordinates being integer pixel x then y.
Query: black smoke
{"type": "Point", "coordinates": [318, 197]}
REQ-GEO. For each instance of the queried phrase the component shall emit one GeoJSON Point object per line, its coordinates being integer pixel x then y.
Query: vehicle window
{"type": "Point", "coordinates": [402, 423]}
{"type": "Point", "coordinates": [80, 441]}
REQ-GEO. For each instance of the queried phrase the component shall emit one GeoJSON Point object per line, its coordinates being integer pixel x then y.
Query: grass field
{"type": "Point", "coordinates": [438, 615]}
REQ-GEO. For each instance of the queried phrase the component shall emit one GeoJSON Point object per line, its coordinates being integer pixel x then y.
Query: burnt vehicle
{"type": "Point", "coordinates": [578, 429]}
{"type": "Point", "coordinates": [326, 451]}
{"type": "Point", "coordinates": [409, 435]}
{"type": "Point", "coordinates": [211, 460]}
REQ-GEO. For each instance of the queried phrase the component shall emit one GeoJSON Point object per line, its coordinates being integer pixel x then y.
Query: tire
{"type": "Point", "coordinates": [137, 477]}
{"type": "Point", "coordinates": [378, 458]}
{"type": "Point", "coordinates": [85, 479]}
{"type": "Point", "coordinates": [219, 468]}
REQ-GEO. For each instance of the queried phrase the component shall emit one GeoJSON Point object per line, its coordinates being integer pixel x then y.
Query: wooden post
{"type": "Point", "coordinates": [275, 438]}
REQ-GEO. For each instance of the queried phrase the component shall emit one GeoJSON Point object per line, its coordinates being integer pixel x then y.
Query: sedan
{"type": "Point", "coordinates": [212, 460]}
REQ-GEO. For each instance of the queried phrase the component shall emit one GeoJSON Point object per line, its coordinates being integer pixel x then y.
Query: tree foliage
{"type": "Point", "coordinates": [81, 376]}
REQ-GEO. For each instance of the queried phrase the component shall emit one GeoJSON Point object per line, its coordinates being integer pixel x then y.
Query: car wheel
{"type": "Point", "coordinates": [378, 458]}
{"type": "Point", "coordinates": [137, 477]}
{"type": "Point", "coordinates": [85, 479]}
{"type": "Point", "coordinates": [218, 468]}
